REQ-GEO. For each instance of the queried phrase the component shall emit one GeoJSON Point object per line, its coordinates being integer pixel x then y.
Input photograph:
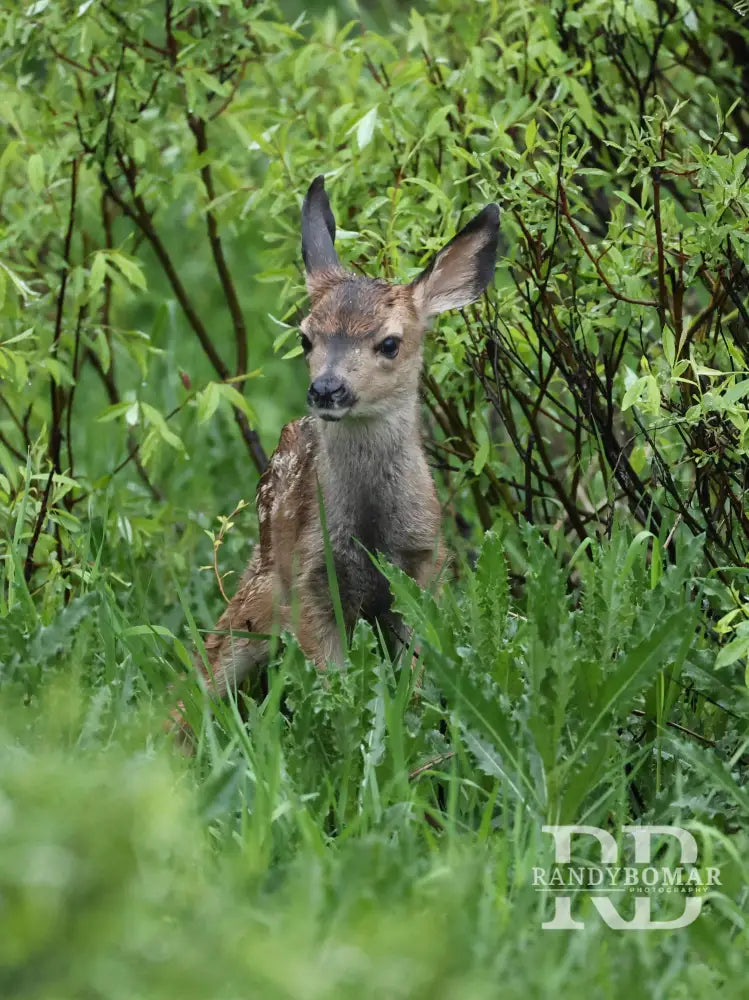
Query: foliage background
{"type": "Point", "coordinates": [588, 428]}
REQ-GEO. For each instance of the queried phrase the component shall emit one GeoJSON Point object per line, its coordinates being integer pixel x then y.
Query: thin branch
{"type": "Point", "coordinates": [12, 449]}
{"type": "Point", "coordinates": [197, 126]}
{"type": "Point", "coordinates": [74, 386]}
{"type": "Point", "coordinates": [28, 567]}
{"type": "Point", "coordinates": [233, 92]}
{"type": "Point", "coordinates": [430, 764]}
{"type": "Point", "coordinates": [143, 220]}
{"type": "Point", "coordinates": [108, 380]}
{"type": "Point", "coordinates": [599, 270]}
{"type": "Point", "coordinates": [56, 392]}
{"type": "Point", "coordinates": [22, 427]}
{"type": "Point", "coordinates": [662, 293]}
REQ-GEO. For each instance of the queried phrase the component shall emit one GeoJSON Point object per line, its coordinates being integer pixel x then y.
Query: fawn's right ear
{"type": "Point", "coordinates": [318, 234]}
{"type": "Point", "coordinates": [462, 270]}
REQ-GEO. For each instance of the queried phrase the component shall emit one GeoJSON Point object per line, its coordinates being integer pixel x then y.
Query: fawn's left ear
{"type": "Point", "coordinates": [462, 270]}
{"type": "Point", "coordinates": [318, 229]}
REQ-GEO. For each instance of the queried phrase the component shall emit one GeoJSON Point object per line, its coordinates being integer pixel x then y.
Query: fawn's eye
{"type": "Point", "coordinates": [305, 342]}
{"type": "Point", "coordinates": [388, 347]}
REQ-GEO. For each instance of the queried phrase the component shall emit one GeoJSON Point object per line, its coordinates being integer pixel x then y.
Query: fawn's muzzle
{"type": "Point", "coordinates": [329, 393]}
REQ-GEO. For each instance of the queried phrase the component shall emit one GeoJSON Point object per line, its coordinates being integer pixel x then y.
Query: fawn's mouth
{"type": "Point", "coordinates": [329, 408]}
{"type": "Point", "coordinates": [331, 414]}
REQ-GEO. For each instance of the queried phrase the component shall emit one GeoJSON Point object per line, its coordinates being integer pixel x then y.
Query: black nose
{"type": "Point", "coordinates": [328, 392]}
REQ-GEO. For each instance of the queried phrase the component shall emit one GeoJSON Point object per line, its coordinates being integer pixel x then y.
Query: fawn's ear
{"type": "Point", "coordinates": [462, 269]}
{"type": "Point", "coordinates": [318, 233]}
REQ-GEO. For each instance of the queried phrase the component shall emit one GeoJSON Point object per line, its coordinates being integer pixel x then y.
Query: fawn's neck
{"type": "Point", "coordinates": [376, 485]}
{"type": "Point", "coordinates": [373, 474]}
{"type": "Point", "coordinates": [367, 453]}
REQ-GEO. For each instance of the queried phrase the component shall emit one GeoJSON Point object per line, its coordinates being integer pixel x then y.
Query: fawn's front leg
{"type": "Point", "coordinates": [232, 657]}
{"type": "Point", "coordinates": [316, 629]}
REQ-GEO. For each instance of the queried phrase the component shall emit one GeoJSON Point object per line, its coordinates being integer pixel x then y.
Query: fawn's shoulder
{"type": "Point", "coordinates": [285, 493]}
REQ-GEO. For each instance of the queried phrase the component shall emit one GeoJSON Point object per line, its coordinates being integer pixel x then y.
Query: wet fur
{"type": "Point", "coordinates": [369, 466]}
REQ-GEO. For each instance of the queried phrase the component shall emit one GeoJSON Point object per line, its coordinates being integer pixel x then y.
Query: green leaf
{"type": "Point", "coordinates": [669, 347]}
{"type": "Point", "coordinates": [732, 651]}
{"type": "Point", "coordinates": [130, 269]}
{"type": "Point", "coordinates": [417, 36]}
{"type": "Point", "coordinates": [59, 371]}
{"type": "Point", "coordinates": [35, 169]}
{"type": "Point", "coordinates": [293, 353]}
{"type": "Point", "coordinates": [208, 400]}
{"type": "Point", "coordinates": [438, 120]}
{"type": "Point", "coordinates": [531, 130]}
{"type": "Point", "coordinates": [235, 397]}
{"type": "Point", "coordinates": [365, 128]}
{"type": "Point", "coordinates": [665, 646]}
{"type": "Point", "coordinates": [113, 412]}
{"type": "Point", "coordinates": [634, 392]}
{"type": "Point", "coordinates": [654, 394]}
{"type": "Point", "coordinates": [98, 272]}
{"type": "Point", "coordinates": [735, 393]}
{"type": "Point", "coordinates": [159, 424]}
{"type": "Point", "coordinates": [24, 290]}
{"type": "Point", "coordinates": [481, 457]}
{"type": "Point", "coordinates": [101, 347]}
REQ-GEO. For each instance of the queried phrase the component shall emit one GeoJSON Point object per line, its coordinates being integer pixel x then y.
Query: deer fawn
{"type": "Point", "coordinates": [359, 450]}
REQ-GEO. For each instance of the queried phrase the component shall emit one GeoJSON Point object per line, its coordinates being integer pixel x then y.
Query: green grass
{"type": "Point", "coordinates": [362, 834]}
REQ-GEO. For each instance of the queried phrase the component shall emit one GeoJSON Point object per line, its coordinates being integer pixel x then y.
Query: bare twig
{"type": "Point", "coordinates": [56, 392]}
{"type": "Point", "coordinates": [662, 293]}
{"type": "Point", "coordinates": [28, 566]}
{"type": "Point", "coordinates": [430, 764]}
{"type": "Point", "coordinates": [197, 126]}
{"type": "Point", "coordinates": [138, 213]}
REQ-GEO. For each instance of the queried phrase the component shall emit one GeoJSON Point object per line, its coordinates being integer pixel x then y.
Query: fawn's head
{"type": "Point", "coordinates": [363, 336]}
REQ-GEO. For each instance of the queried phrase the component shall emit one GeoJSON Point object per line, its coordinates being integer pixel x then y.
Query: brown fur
{"type": "Point", "coordinates": [368, 465]}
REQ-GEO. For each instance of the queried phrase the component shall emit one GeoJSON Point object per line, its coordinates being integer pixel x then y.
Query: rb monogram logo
{"type": "Point", "coordinates": [610, 876]}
